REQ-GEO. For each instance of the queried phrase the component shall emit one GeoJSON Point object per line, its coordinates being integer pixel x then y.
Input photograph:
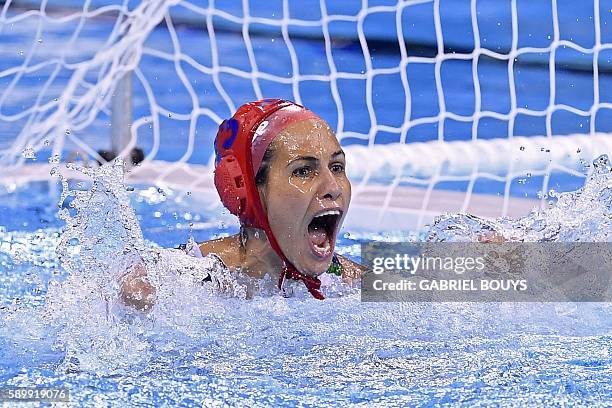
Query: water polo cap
{"type": "Point", "coordinates": [240, 145]}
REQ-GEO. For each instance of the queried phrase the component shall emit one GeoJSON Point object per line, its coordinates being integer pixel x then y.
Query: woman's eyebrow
{"type": "Point", "coordinates": [310, 159]}
{"type": "Point", "coordinates": [314, 160]}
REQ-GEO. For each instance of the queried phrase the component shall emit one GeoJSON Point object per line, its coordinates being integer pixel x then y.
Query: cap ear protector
{"type": "Point", "coordinates": [229, 181]}
{"type": "Point", "coordinates": [234, 178]}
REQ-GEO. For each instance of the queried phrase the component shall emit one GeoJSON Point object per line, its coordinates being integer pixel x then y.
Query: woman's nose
{"type": "Point", "coordinates": [330, 187]}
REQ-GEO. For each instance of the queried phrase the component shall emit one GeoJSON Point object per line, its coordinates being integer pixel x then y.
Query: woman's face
{"type": "Point", "coordinates": [307, 194]}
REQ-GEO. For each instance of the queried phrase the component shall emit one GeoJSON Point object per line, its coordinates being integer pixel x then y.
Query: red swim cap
{"type": "Point", "coordinates": [240, 145]}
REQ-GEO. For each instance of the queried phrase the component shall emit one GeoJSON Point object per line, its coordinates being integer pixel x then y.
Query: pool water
{"type": "Point", "coordinates": [60, 324]}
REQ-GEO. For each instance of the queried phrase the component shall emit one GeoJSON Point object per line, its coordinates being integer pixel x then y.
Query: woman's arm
{"type": "Point", "coordinates": [136, 290]}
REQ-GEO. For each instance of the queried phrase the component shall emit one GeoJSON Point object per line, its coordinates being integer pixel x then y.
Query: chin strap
{"type": "Point", "coordinates": [312, 283]}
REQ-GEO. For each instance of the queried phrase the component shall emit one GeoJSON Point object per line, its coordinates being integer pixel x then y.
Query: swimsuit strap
{"type": "Point", "coordinates": [335, 268]}
{"type": "Point", "coordinates": [312, 283]}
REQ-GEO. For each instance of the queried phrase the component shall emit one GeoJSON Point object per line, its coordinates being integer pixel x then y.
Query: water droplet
{"type": "Point", "coordinates": [46, 143]}
{"type": "Point", "coordinates": [54, 159]}
{"type": "Point", "coordinates": [578, 150]}
{"type": "Point", "coordinates": [28, 153]}
{"type": "Point", "coordinates": [602, 163]}
{"type": "Point", "coordinates": [67, 131]}
{"type": "Point", "coordinates": [40, 40]}
{"type": "Point", "coordinates": [20, 52]}
{"type": "Point", "coordinates": [522, 148]}
{"type": "Point", "coordinates": [189, 193]}
{"type": "Point", "coordinates": [169, 115]}
{"type": "Point", "coordinates": [129, 188]}
{"type": "Point", "coordinates": [74, 242]}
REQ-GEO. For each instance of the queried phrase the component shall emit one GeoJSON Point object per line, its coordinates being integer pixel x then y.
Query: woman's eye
{"type": "Point", "coordinates": [337, 168]}
{"type": "Point", "coordinates": [302, 172]}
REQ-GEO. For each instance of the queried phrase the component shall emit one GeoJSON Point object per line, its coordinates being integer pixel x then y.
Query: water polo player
{"type": "Point", "coordinates": [280, 169]}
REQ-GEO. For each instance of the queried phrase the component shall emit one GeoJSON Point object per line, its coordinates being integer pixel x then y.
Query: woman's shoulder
{"type": "Point", "coordinates": [214, 245]}
{"type": "Point", "coordinates": [223, 248]}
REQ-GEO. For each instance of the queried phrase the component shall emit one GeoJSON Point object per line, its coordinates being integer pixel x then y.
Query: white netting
{"type": "Point", "coordinates": [435, 103]}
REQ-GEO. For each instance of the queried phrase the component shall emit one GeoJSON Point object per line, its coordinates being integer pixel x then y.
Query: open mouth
{"type": "Point", "coordinates": [322, 232]}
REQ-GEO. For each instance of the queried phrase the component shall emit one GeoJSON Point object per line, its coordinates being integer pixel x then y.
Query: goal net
{"type": "Point", "coordinates": [475, 106]}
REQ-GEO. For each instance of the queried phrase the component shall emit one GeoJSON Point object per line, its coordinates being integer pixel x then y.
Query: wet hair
{"type": "Point", "coordinates": [262, 174]}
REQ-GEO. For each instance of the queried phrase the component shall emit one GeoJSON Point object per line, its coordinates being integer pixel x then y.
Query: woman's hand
{"type": "Point", "coordinates": [351, 271]}
{"type": "Point", "coordinates": [136, 290]}
{"type": "Point", "coordinates": [492, 237]}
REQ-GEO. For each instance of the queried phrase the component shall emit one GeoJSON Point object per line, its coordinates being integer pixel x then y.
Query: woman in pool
{"type": "Point", "coordinates": [280, 169]}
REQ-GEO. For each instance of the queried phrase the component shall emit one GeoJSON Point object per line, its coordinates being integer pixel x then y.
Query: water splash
{"type": "Point", "coordinates": [99, 245]}
{"type": "Point", "coordinates": [584, 215]}
{"type": "Point", "coordinates": [102, 237]}
{"type": "Point", "coordinates": [100, 242]}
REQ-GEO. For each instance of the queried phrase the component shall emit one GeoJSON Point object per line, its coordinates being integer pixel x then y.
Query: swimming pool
{"type": "Point", "coordinates": [195, 349]}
